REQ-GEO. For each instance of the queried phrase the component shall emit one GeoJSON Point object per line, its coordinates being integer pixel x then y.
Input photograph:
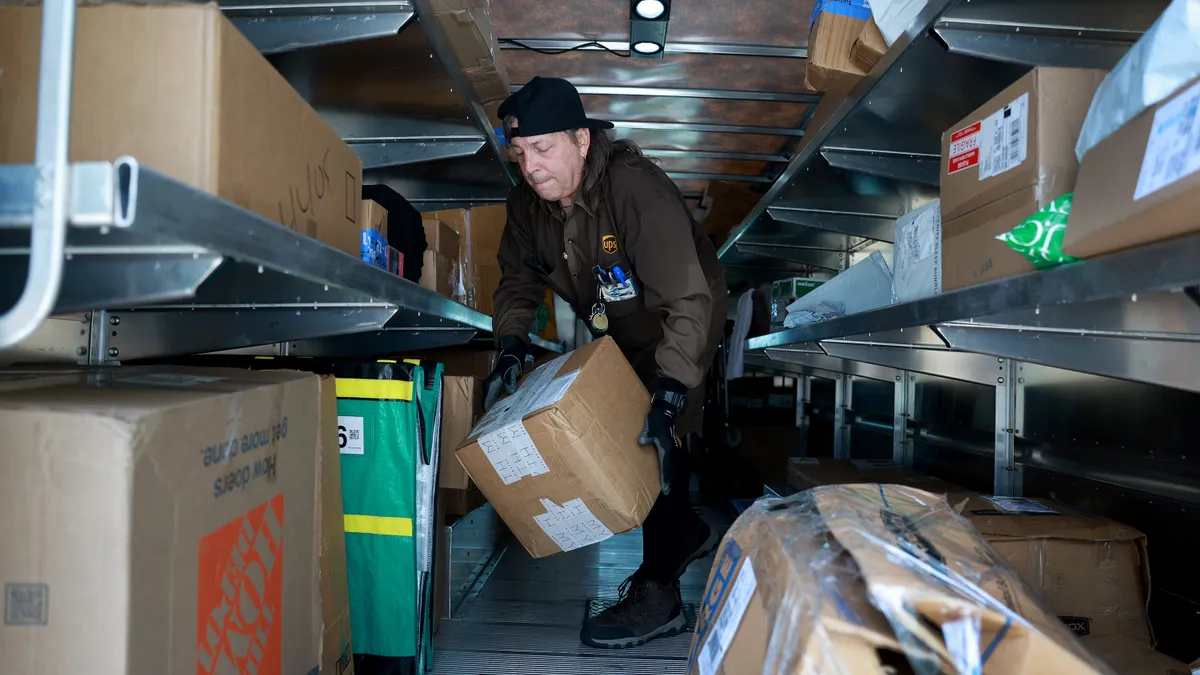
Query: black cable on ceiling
{"type": "Point", "coordinates": [556, 52]}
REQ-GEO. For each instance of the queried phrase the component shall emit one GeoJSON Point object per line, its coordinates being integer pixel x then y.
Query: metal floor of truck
{"type": "Point", "coordinates": [525, 618]}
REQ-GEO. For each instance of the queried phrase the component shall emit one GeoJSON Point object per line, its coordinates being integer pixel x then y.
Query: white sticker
{"type": "Point", "coordinates": [1019, 505]}
{"type": "Point", "coordinates": [728, 620]}
{"type": "Point", "coordinates": [1004, 138]}
{"type": "Point", "coordinates": [571, 525]}
{"type": "Point", "coordinates": [555, 391]}
{"type": "Point", "coordinates": [962, 641]}
{"type": "Point", "coordinates": [1173, 149]}
{"type": "Point", "coordinates": [351, 435]}
{"type": "Point", "coordinates": [512, 453]}
{"type": "Point", "coordinates": [520, 404]}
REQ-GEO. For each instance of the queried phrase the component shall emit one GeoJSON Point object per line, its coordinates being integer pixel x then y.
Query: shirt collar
{"type": "Point", "coordinates": [561, 214]}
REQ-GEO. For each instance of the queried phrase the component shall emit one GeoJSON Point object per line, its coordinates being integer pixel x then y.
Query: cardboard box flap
{"type": "Point", "coordinates": [1025, 518]}
{"type": "Point", "coordinates": [941, 587]}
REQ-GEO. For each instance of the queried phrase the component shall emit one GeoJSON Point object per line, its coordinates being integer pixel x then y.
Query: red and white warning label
{"type": "Point", "coordinates": [964, 148]}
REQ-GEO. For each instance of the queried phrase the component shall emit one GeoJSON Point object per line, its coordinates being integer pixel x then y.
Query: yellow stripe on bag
{"type": "Point", "coordinates": [387, 526]}
{"type": "Point", "coordinates": [415, 362]}
{"type": "Point", "coordinates": [383, 390]}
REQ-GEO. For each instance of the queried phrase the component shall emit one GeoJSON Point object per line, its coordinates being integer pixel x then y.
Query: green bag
{"type": "Point", "coordinates": [1039, 237]}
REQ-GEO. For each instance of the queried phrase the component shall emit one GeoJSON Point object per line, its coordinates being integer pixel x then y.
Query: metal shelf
{"type": "Point", "coordinates": [181, 271]}
{"type": "Point", "coordinates": [877, 156]}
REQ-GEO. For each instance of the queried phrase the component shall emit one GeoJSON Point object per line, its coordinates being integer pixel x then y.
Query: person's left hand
{"type": "Point", "coordinates": [665, 407]}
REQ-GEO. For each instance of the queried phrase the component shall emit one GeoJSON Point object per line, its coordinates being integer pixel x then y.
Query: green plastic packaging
{"type": "Point", "coordinates": [1039, 237]}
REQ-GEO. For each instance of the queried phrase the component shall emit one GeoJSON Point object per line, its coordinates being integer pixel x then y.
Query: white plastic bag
{"type": "Point", "coordinates": [863, 287]}
{"type": "Point", "coordinates": [894, 16]}
{"type": "Point", "coordinates": [917, 257]}
{"type": "Point", "coordinates": [1163, 60]}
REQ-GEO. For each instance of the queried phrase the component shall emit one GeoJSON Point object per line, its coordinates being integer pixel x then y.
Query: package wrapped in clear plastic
{"type": "Point", "coordinates": [871, 579]}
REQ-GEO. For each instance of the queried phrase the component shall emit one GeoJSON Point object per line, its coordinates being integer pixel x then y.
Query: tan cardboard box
{"type": "Point", "coordinates": [180, 89]}
{"type": "Point", "coordinates": [462, 406]}
{"type": "Point", "coordinates": [559, 460]}
{"type": "Point", "coordinates": [869, 47]}
{"type": "Point", "coordinates": [1134, 187]}
{"type": "Point", "coordinates": [1130, 657]}
{"type": "Point", "coordinates": [805, 473]}
{"type": "Point", "coordinates": [160, 520]}
{"type": "Point", "coordinates": [437, 273]}
{"type": "Point", "coordinates": [462, 362]}
{"type": "Point", "coordinates": [821, 581]}
{"type": "Point", "coordinates": [468, 26]}
{"type": "Point", "coordinates": [1020, 142]}
{"type": "Point", "coordinates": [830, 43]}
{"type": "Point", "coordinates": [332, 625]}
{"type": "Point", "coordinates": [442, 238]}
{"type": "Point", "coordinates": [479, 231]}
{"type": "Point", "coordinates": [1090, 571]}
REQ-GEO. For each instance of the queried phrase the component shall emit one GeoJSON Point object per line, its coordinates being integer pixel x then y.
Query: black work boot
{"type": "Point", "coordinates": [646, 610]}
{"type": "Point", "coordinates": [704, 543]}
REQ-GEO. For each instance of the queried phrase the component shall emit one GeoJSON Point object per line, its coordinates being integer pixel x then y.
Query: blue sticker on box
{"type": "Point", "coordinates": [855, 9]}
{"type": "Point", "coordinates": [375, 249]}
{"type": "Point", "coordinates": [724, 569]}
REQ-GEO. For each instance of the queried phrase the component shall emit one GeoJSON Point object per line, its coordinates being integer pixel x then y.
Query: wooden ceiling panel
{"type": "Point", "coordinates": [743, 22]}
{"type": "Point", "coordinates": [692, 71]}
{"type": "Point", "coordinates": [697, 165]}
{"type": "Point", "coordinates": [691, 140]}
{"type": "Point", "coordinates": [562, 19]}
{"type": "Point", "coordinates": [692, 186]}
{"type": "Point", "coordinates": [695, 110]}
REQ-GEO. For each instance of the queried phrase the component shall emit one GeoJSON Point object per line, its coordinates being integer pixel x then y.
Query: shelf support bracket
{"type": "Point", "coordinates": [1010, 419]}
{"type": "Point", "coordinates": [903, 406]}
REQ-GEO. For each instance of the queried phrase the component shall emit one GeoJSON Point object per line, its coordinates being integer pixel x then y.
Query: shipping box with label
{"type": "Point", "coordinates": [559, 459]}
{"type": "Point", "coordinates": [1091, 572]}
{"type": "Point", "coordinates": [183, 92]}
{"type": "Point", "coordinates": [823, 581]}
{"type": "Point", "coordinates": [160, 520]}
{"type": "Point", "coordinates": [808, 472]}
{"type": "Point", "coordinates": [834, 27]}
{"type": "Point", "coordinates": [1140, 184]}
{"type": "Point", "coordinates": [1004, 162]}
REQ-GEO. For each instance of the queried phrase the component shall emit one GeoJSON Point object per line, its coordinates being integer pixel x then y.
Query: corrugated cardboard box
{"type": "Point", "coordinates": [372, 236]}
{"type": "Point", "coordinates": [441, 238]}
{"type": "Point", "coordinates": [808, 472]}
{"type": "Point", "coordinates": [160, 520]}
{"type": "Point", "coordinates": [468, 27]}
{"type": "Point", "coordinates": [822, 582]}
{"type": "Point", "coordinates": [332, 625]}
{"type": "Point", "coordinates": [479, 231]}
{"type": "Point", "coordinates": [437, 273]}
{"type": "Point", "coordinates": [559, 460]}
{"type": "Point", "coordinates": [180, 89]}
{"type": "Point", "coordinates": [869, 47]}
{"type": "Point", "coordinates": [1091, 571]}
{"type": "Point", "coordinates": [836, 25]}
{"type": "Point", "coordinates": [1130, 657]}
{"type": "Point", "coordinates": [462, 406]}
{"type": "Point", "coordinates": [1140, 184]}
{"type": "Point", "coordinates": [1002, 163]}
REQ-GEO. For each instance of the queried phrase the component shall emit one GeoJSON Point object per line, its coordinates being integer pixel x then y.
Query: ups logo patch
{"type": "Point", "coordinates": [609, 243]}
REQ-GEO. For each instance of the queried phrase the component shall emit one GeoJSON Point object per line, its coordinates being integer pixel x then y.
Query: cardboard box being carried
{"type": "Point", "coordinates": [181, 90]}
{"type": "Point", "coordinates": [835, 26]}
{"type": "Point", "coordinates": [1139, 185]}
{"type": "Point", "coordinates": [559, 460]}
{"type": "Point", "coordinates": [160, 520]}
{"type": "Point", "coordinates": [822, 582]}
{"type": "Point", "coordinates": [808, 472]}
{"type": "Point", "coordinates": [1004, 162]}
{"type": "Point", "coordinates": [1091, 571]}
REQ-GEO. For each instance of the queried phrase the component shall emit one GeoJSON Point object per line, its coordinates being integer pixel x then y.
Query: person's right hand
{"type": "Point", "coordinates": [503, 379]}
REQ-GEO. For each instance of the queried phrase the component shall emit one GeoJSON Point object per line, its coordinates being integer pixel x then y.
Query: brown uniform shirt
{"type": "Point", "coordinates": [672, 327]}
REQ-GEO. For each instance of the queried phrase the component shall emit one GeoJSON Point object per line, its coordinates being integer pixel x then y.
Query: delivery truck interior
{"type": "Point", "coordinates": [260, 258]}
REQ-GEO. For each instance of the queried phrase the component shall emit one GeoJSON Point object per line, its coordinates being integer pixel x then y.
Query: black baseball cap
{"type": "Point", "coordinates": [547, 105]}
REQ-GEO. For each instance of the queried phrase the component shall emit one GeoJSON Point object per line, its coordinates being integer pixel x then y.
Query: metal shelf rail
{"type": "Point", "coordinates": [179, 271]}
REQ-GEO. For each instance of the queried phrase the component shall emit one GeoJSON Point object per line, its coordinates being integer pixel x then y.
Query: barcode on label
{"type": "Point", "coordinates": [1173, 149]}
{"type": "Point", "coordinates": [1005, 138]}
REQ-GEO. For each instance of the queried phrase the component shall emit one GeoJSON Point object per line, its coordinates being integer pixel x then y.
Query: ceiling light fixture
{"type": "Point", "coordinates": [649, 9]}
{"type": "Point", "coordinates": [648, 28]}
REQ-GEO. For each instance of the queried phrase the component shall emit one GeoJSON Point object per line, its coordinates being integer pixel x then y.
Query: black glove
{"type": "Point", "coordinates": [665, 407]}
{"type": "Point", "coordinates": [507, 371]}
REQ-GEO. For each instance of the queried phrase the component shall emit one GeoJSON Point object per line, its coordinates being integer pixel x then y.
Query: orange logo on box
{"type": "Point", "coordinates": [240, 595]}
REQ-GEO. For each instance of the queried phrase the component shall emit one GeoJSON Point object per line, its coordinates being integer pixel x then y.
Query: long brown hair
{"type": "Point", "coordinates": [603, 149]}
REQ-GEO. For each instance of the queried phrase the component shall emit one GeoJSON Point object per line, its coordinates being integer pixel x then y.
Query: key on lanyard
{"type": "Point", "coordinates": [599, 319]}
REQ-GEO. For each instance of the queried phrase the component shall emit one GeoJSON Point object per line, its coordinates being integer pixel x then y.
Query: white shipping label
{"type": "Point", "coordinates": [1019, 505]}
{"type": "Point", "coordinates": [728, 620]}
{"type": "Point", "coordinates": [512, 453]}
{"type": "Point", "coordinates": [571, 525]}
{"type": "Point", "coordinates": [1004, 138]}
{"type": "Point", "coordinates": [1173, 149]}
{"type": "Point", "coordinates": [351, 435]}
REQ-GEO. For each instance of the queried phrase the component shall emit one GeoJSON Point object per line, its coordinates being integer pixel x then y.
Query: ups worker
{"type": "Point", "coordinates": [610, 233]}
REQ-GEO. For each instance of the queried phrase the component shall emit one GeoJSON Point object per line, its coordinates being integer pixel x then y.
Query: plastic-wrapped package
{"type": "Point", "coordinates": [917, 257]}
{"type": "Point", "coordinates": [868, 579]}
{"type": "Point", "coordinates": [894, 16]}
{"type": "Point", "coordinates": [863, 287]}
{"type": "Point", "coordinates": [1165, 58]}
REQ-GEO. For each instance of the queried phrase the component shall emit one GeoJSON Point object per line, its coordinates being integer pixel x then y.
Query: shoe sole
{"type": "Point", "coordinates": [705, 549]}
{"type": "Point", "coordinates": [671, 628]}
